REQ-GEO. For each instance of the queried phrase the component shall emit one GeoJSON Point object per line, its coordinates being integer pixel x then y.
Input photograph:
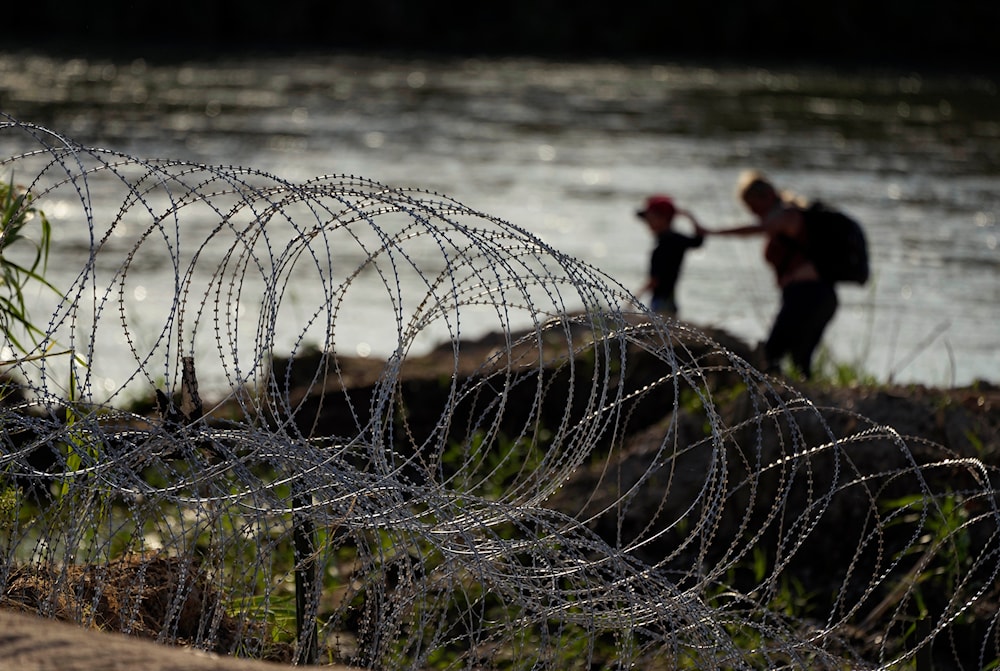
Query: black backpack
{"type": "Point", "coordinates": [836, 244]}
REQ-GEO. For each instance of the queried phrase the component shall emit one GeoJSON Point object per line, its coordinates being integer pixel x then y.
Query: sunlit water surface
{"type": "Point", "coordinates": [569, 150]}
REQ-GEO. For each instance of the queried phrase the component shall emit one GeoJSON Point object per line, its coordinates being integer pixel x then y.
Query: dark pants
{"type": "Point", "coordinates": [806, 309]}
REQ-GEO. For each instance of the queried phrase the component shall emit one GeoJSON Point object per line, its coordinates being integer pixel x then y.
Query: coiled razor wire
{"type": "Point", "coordinates": [560, 482]}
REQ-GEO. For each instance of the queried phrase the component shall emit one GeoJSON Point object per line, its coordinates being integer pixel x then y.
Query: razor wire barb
{"type": "Point", "coordinates": [247, 453]}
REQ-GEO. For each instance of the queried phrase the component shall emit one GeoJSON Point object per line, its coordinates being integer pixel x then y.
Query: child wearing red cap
{"type": "Point", "coordinates": [665, 262]}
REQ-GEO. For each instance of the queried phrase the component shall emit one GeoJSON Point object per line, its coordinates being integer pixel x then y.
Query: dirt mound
{"type": "Point", "coordinates": [137, 595]}
{"type": "Point", "coordinates": [31, 643]}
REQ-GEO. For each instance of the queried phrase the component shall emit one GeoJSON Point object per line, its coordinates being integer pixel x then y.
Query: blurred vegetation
{"type": "Point", "coordinates": [21, 226]}
{"type": "Point", "coordinates": [891, 32]}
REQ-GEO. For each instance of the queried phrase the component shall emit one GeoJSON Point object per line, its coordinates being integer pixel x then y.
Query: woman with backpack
{"type": "Point", "coordinates": [808, 301]}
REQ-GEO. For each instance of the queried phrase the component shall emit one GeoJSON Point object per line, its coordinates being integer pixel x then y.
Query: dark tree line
{"type": "Point", "coordinates": [957, 34]}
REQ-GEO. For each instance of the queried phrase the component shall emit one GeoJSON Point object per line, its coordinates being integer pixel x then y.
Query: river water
{"type": "Point", "coordinates": [569, 150]}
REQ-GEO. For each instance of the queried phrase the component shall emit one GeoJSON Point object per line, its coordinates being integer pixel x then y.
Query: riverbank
{"type": "Point", "coordinates": [705, 463]}
{"type": "Point", "coordinates": [939, 414]}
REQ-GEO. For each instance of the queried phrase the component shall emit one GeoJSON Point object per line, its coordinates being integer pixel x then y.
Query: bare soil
{"type": "Point", "coordinates": [32, 643]}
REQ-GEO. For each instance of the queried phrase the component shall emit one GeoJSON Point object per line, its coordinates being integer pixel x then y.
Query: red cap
{"type": "Point", "coordinates": [660, 204]}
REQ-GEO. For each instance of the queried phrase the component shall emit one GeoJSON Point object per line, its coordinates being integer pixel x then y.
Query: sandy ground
{"type": "Point", "coordinates": [30, 643]}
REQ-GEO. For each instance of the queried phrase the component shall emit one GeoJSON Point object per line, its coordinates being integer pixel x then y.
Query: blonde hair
{"type": "Point", "coordinates": [754, 184]}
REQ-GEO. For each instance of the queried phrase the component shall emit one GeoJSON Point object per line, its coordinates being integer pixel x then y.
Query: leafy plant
{"type": "Point", "coordinates": [22, 226]}
{"type": "Point", "coordinates": [837, 373]}
{"type": "Point", "coordinates": [8, 503]}
{"type": "Point", "coordinates": [944, 550]}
